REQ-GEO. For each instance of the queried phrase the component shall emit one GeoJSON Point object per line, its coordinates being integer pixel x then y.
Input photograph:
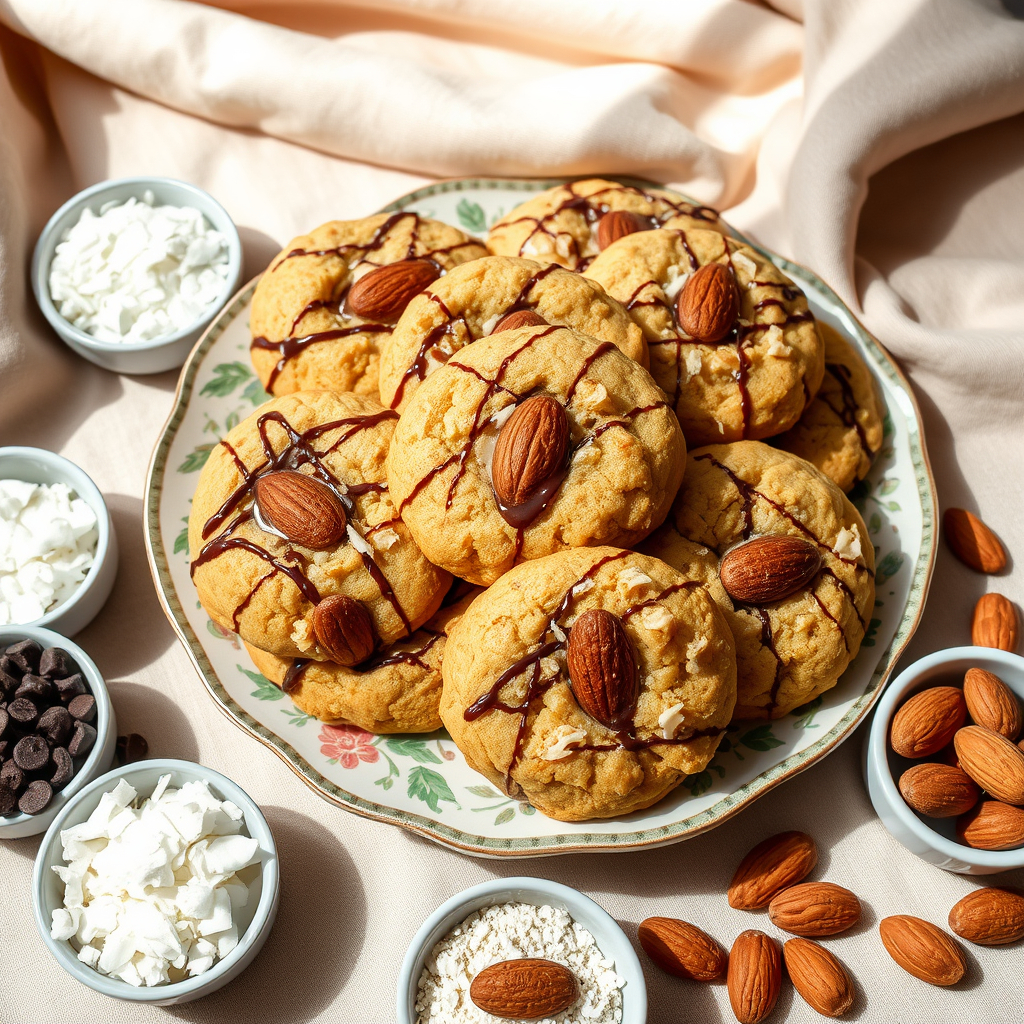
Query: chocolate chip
{"type": "Point", "coordinates": [4, 719]}
{"type": "Point", "coordinates": [131, 748]}
{"type": "Point", "coordinates": [25, 654]}
{"type": "Point", "coordinates": [56, 724]}
{"type": "Point", "coordinates": [23, 712]}
{"type": "Point", "coordinates": [36, 688]}
{"type": "Point", "coordinates": [82, 740]}
{"type": "Point", "coordinates": [70, 687]}
{"type": "Point", "coordinates": [8, 682]}
{"type": "Point", "coordinates": [36, 797]}
{"type": "Point", "coordinates": [31, 753]}
{"type": "Point", "coordinates": [4, 750]}
{"type": "Point", "coordinates": [12, 777]}
{"type": "Point", "coordinates": [65, 769]}
{"type": "Point", "coordinates": [56, 663]}
{"type": "Point", "coordinates": [83, 707]}
{"type": "Point", "coordinates": [8, 802]}
{"type": "Point", "coordinates": [8, 666]}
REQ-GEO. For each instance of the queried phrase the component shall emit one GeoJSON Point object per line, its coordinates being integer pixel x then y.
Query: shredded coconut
{"type": "Point", "coordinates": [776, 345]}
{"type": "Point", "coordinates": [669, 721]}
{"type": "Point", "coordinates": [490, 323]}
{"type": "Point", "coordinates": [565, 737]}
{"type": "Point", "coordinates": [745, 263]}
{"type": "Point", "coordinates": [674, 285]}
{"type": "Point", "coordinates": [693, 363]}
{"type": "Point", "coordinates": [512, 931]}
{"type": "Point", "coordinates": [385, 540]}
{"type": "Point", "coordinates": [848, 543]}
{"type": "Point", "coordinates": [656, 617]}
{"type": "Point", "coordinates": [631, 578]}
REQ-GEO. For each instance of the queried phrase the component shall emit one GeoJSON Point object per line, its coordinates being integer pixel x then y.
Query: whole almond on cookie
{"type": "Point", "coordinates": [708, 303]}
{"type": "Point", "coordinates": [972, 541]}
{"type": "Point", "coordinates": [928, 721]}
{"type": "Point", "coordinates": [617, 224]}
{"type": "Point", "coordinates": [992, 825]}
{"type": "Point", "coordinates": [525, 989]}
{"type": "Point", "coordinates": [754, 978]}
{"type": "Point", "coordinates": [602, 667]}
{"type": "Point", "coordinates": [819, 977]}
{"type": "Point", "coordinates": [383, 294]}
{"type": "Point", "coordinates": [938, 790]}
{"type": "Point", "coordinates": [773, 865]}
{"type": "Point", "coordinates": [301, 507]}
{"type": "Point", "coordinates": [530, 449]}
{"type": "Point", "coordinates": [768, 569]}
{"type": "Point", "coordinates": [922, 950]}
{"type": "Point", "coordinates": [995, 764]}
{"type": "Point", "coordinates": [682, 949]}
{"type": "Point", "coordinates": [814, 909]}
{"type": "Point", "coordinates": [989, 917]}
{"type": "Point", "coordinates": [518, 318]}
{"type": "Point", "coordinates": [991, 703]}
{"type": "Point", "coordinates": [343, 630]}
{"type": "Point", "coordinates": [995, 623]}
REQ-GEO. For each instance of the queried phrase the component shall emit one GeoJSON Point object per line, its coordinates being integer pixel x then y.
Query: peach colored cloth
{"type": "Point", "coordinates": [880, 142]}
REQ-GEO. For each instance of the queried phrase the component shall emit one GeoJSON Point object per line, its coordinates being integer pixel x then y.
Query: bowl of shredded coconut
{"type": "Point", "coordinates": [518, 919]}
{"type": "Point", "coordinates": [58, 549]}
{"type": "Point", "coordinates": [130, 272]}
{"type": "Point", "coordinates": [158, 883]}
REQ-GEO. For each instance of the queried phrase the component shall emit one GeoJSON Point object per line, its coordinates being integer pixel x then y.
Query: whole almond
{"type": "Point", "coordinates": [530, 449]}
{"type": "Point", "coordinates": [991, 703]}
{"type": "Point", "coordinates": [773, 865]}
{"type": "Point", "coordinates": [995, 623]}
{"type": "Point", "coordinates": [814, 909]}
{"type": "Point", "coordinates": [992, 825]}
{"type": "Point", "coordinates": [819, 977]}
{"type": "Point", "coordinates": [708, 303]}
{"type": "Point", "coordinates": [768, 569]}
{"type": "Point", "coordinates": [617, 224]}
{"type": "Point", "coordinates": [343, 630]}
{"type": "Point", "coordinates": [928, 721]}
{"type": "Point", "coordinates": [938, 790]}
{"type": "Point", "coordinates": [602, 667]}
{"type": "Point", "coordinates": [972, 541]}
{"type": "Point", "coordinates": [301, 507]}
{"type": "Point", "coordinates": [682, 949]}
{"type": "Point", "coordinates": [989, 917]}
{"type": "Point", "coordinates": [518, 318]}
{"type": "Point", "coordinates": [995, 764]}
{"type": "Point", "coordinates": [922, 950]}
{"type": "Point", "coordinates": [754, 978]}
{"type": "Point", "coordinates": [383, 294]}
{"type": "Point", "coordinates": [525, 989]}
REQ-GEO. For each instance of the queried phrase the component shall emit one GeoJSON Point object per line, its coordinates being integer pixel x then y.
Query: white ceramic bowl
{"type": "Point", "coordinates": [933, 839]}
{"type": "Point", "coordinates": [160, 354]}
{"type": "Point", "coordinates": [39, 466]}
{"type": "Point", "coordinates": [540, 892]}
{"type": "Point", "coordinates": [48, 890]}
{"type": "Point", "coordinates": [97, 761]}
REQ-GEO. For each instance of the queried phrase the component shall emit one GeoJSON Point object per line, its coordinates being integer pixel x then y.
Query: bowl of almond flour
{"type": "Point", "coordinates": [512, 919]}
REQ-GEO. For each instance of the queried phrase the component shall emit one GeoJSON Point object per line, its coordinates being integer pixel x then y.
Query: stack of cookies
{"type": "Point", "coordinates": [469, 503]}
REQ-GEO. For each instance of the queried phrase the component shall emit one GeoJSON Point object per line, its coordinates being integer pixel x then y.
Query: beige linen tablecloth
{"type": "Point", "coordinates": [880, 142]}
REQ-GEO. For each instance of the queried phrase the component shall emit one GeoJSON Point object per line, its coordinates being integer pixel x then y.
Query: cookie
{"type": "Point", "coordinates": [788, 650]}
{"type": "Point", "coordinates": [397, 690]}
{"type": "Point", "coordinates": [841, 431]}
{"type": "Point", "coordinates": [308, 333]}
{"type": "Point", "coordinates": [518, 668]}
{"type": "Point", "coordinates": [530, 441]}
{"type": "Point", "coordinates": [292, 510]}
{"type": "Point", "coordinates": [750, 383]}
{"type": "Point", "coordinates": [473, 301]}
{"type": "Point", "coordinates": [563, 224]}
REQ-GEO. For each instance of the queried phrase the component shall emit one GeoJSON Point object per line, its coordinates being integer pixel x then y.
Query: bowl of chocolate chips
{"type": "Point", "coordinates": [57, 727]}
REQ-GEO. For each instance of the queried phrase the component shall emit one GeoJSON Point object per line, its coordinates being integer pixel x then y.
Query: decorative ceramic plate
{"type": "Point", "coordinates": [422, 782]}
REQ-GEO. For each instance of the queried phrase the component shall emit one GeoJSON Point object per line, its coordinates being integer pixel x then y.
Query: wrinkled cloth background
{"type": "Point", "coordinates": [880, 142]}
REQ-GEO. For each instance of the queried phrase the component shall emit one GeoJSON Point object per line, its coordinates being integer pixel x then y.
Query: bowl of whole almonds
{"type": "Point", "coordinates": [944, 767]}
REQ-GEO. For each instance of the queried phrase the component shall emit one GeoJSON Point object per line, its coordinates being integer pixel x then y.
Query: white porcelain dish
{"type": "Point", "coordinates": [159, 354]}
{"type": "Point", "coordinates": [539, 892]}
{"type": "Point", "coordinates": [47, 888]}
{"type": "Point", "coordinates": [98, 759]}
{"type": "Point", "coordinates": [39, 466]}
{"type": "Point", "coordinates": [933, 839]}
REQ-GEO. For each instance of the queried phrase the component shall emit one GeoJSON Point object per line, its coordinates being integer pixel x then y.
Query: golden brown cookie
{"type": "Point", "coordinates": [528, 704]}
{"type": "Point", "coordinates": [481, 298]}
{"type": "Point", "coordinates": [563, 224]}
{"type": "Point", "coordinates": [295, 542]}
{"type": "Point", "coordinates": [530, 441]}
{"type": "Point", "coordinates": [316, 321]}
{"type": "Point", "coordinates": [840, 432]}
{"type": "Point", "coordinates": [791, 648]}
{"type": "Point", "coordinates": [754, 379]}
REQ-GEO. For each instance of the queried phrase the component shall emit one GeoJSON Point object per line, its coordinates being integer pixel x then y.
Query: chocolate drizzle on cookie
{"type": "Point", "coordinates": [847, 414]}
